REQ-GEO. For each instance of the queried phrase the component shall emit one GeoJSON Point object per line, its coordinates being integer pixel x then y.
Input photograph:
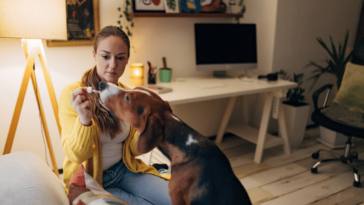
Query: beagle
{"type": "Point", "coordinates": [201, 173]}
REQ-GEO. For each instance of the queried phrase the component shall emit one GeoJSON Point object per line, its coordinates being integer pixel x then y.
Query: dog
{"type": "Point", "coordinates": [201, 173]}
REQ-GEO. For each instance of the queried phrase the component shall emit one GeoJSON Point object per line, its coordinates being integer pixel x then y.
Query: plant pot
{"type": "Point", "coordinates": [296, 120]}
{"type": "Point", "coordinates": [165, 76]}
{"type": "Point", "coordinates": [331, 138]}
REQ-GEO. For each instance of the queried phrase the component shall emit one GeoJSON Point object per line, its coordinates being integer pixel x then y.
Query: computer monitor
{"type": "Point", "coordinates": [222, 47]}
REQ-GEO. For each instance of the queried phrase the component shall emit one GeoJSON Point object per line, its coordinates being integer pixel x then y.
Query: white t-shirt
{"type": "Point", "coordinates": [112, 149]}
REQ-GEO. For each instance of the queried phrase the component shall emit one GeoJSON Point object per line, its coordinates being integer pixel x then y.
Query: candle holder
{"type": "Point", "coordinates": [137, 73]}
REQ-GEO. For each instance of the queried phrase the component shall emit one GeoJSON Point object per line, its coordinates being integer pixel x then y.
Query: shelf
{"type": "Point", "coordinates": [251, 134]}
{"type": "Point", "coordinates": [201, 15]}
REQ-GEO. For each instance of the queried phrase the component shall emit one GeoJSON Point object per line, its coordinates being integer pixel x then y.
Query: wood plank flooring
{"type": "Point", "coordinates": [287, 180]}
{"type": "Point", "coordinates": [282, 179]}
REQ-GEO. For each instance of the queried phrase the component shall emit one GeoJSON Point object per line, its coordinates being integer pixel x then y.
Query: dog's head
{"type": "Point", "coordinates": [142, 109]}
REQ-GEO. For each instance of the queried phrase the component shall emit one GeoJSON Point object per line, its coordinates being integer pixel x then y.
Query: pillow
{"type": "Point", "coordinates": [350, 95]}
{"type": "Point", "coordinates": [26, 179]}
{"type": "Point", "coordinates": [86, 190]}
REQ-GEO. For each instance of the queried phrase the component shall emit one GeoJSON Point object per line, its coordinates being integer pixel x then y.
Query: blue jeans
{"type": "Point", "coordinates": [135, 188]}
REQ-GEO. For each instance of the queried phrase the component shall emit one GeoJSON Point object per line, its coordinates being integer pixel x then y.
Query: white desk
{"type": "Point", "coordinates": [188, 92]}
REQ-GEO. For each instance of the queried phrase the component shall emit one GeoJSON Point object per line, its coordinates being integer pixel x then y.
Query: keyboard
{"type": "Point", "coordinates": [210, 85]}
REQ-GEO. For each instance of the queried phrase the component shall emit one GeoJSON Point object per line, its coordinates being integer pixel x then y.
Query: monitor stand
{"type": "Point", "coordinates": [220, 74]}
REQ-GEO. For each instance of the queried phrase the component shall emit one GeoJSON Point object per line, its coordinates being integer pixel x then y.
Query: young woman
{"type": "Point", "coordinates": [104, 145]}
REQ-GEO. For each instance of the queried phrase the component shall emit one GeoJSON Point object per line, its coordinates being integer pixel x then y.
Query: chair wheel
{"type": "Point", "coordinates": [315, 155]}
{"type": "Point", "coordinates": [314, 170]}
{"type": "Point", "coordinates": [356, 184]}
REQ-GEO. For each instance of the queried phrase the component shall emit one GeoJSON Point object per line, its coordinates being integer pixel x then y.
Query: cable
{"type": "Point", "coordinates": [41, 124]}
{"type": "Point", "coordinates": [45, 146]}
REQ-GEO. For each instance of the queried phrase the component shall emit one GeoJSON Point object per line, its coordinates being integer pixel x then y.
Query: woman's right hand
{"type": "Point", "coordinates": [82, 104]}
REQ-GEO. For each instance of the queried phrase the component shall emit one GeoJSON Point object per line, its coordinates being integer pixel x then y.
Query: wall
{"type": "Point", "coordinates": [178, 35]}
{"type": "Point", "coordinates": [154, 38]}
{"type": "Point", "coordinates": [299, 23]}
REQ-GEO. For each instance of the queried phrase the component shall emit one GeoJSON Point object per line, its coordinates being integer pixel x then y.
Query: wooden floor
{"type": "Point", "coordinates": [282, 179]}
{"type": "Point", "coordinates": [287, 180]}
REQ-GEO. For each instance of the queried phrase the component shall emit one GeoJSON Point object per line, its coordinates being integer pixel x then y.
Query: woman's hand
{"type": "Point", "coordinates": [82, 104]}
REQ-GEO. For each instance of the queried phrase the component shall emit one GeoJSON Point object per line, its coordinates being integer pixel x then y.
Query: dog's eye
{"type": "Point", "coordinates": [140, 110]}
{"type": "Point", "coordinates": [127, 99]}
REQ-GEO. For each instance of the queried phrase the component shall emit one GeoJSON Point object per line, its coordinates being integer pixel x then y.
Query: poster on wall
{"type": "Point", "coordinates": [82, 23]}
{"type": "Point", "coordinates": [148, 6]}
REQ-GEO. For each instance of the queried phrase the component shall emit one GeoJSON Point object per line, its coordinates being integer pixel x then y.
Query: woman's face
{"type": "Point", "coordinates": [111, 58]}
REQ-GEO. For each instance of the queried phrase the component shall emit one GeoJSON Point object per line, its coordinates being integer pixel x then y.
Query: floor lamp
{"type": "Point", "coordinates": [32, 21]}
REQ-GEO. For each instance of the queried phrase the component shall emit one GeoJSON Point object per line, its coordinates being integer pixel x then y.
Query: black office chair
{"type": "Point", "coordinates": [347, 125]}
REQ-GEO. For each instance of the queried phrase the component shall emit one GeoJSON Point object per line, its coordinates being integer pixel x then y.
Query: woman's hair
{"type": "Point", "coordinates": [90, 78]}
{"type": "Point", "coordinates": [111, 31]}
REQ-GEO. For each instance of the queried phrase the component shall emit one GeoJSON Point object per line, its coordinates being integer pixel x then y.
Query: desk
{"type": "Point", "coordinates": [188, 92]}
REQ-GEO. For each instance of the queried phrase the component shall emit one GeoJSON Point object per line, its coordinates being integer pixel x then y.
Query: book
{"type": "Point", "coordinates": [158, 89]}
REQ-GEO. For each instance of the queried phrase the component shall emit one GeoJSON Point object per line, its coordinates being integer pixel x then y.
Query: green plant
{"type": "Point", "coordinates": [242, 11]}
{"type": "Point", "coordinates": [125, 19]}
{"type": "Point", "coordinates": [294, 95]}
{"type": "Point", "coordinates": [335, 65]}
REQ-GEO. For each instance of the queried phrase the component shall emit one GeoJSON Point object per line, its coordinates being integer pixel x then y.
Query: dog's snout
{"type": "Point", "coordinates": [102, 85]}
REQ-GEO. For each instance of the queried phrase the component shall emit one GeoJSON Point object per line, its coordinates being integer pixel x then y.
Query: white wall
{"type": "Point", "coordinates": [299, 23]}
{"type": "Point", "coordinates": [154, 38]}
{"type": "Point", "coordinates": [263, 13]}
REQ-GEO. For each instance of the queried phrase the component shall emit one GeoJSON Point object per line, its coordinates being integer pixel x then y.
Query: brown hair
{"type": "Point", "coordinates": [90, 78]}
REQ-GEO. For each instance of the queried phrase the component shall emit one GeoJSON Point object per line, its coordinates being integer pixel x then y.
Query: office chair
{"type": "Point", "coordinates": [346, 114]}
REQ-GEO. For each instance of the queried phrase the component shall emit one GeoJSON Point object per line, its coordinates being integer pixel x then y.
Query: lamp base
{"type": "Point", "coordinates": [136, 81]}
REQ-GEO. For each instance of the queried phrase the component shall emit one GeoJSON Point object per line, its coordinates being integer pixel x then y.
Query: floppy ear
{"type": "Point", "coordinates": [151, 136]}
{"type": "Point", "coordinates": [168, 106]}
{"type": "Point", "coordinates": [165, 103]}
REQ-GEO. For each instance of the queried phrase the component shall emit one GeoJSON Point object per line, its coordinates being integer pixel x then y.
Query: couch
{"type": "Point", "coordinates": [26, 179]}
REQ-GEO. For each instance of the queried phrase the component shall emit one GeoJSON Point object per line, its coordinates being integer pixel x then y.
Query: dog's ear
{"type": "Point", "coordinates": [151, 135]}
{"type": "Point", "coordinates": [168, 106]}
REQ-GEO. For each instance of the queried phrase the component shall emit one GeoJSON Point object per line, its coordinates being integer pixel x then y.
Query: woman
{"type": "Point", "coordinates": [104, 145]}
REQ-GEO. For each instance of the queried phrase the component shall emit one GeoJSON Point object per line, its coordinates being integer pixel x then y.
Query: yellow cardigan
{"type": "Point", "coordinates": [81, 144]}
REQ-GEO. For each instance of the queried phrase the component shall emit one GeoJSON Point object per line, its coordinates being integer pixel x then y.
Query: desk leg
{"type": "Point", "coordinates": [263, 128]}
{"type": "Point", "coordinates": [246, 111]}
{"type": "Point", "coordinates": [225, 120]}
{"type": "Point", "coordinates": [283, 131]}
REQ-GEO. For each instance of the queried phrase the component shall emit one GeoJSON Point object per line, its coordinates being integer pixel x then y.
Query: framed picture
{"type": "Point", "coordinates": [150, 6]}
{"type": "Point", "coordinates": [83, 23]}
{"type": "Point", "coordinates": [172, 6]}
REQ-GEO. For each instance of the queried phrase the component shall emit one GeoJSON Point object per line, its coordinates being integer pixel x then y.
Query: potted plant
{"type": "Point", "coordinates": [240, 5]}
{"type": "Point", "coordinates": [296, 111]}
{"type": "Point", "coordinates": [334, 65]}
{"type": "Point", "coordinates": [126, 20]}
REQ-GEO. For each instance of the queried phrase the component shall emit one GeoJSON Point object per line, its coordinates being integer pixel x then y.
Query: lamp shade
{"type": "Point", "coordinates": [33, 19]}
{"type": "Point", "coordinates": [137, 73]}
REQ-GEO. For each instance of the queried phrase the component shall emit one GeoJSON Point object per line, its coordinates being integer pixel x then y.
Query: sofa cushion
{"type": "Point", "coordinates": [26, 179]}
{"type": "Point", "coordinates": [86, 190]}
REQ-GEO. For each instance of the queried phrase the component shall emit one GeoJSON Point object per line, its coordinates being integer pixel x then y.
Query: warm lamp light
{"type": "Point", "coordinates": [137, 73]}
{"type": "Point", "coordinates": [33, 20]}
